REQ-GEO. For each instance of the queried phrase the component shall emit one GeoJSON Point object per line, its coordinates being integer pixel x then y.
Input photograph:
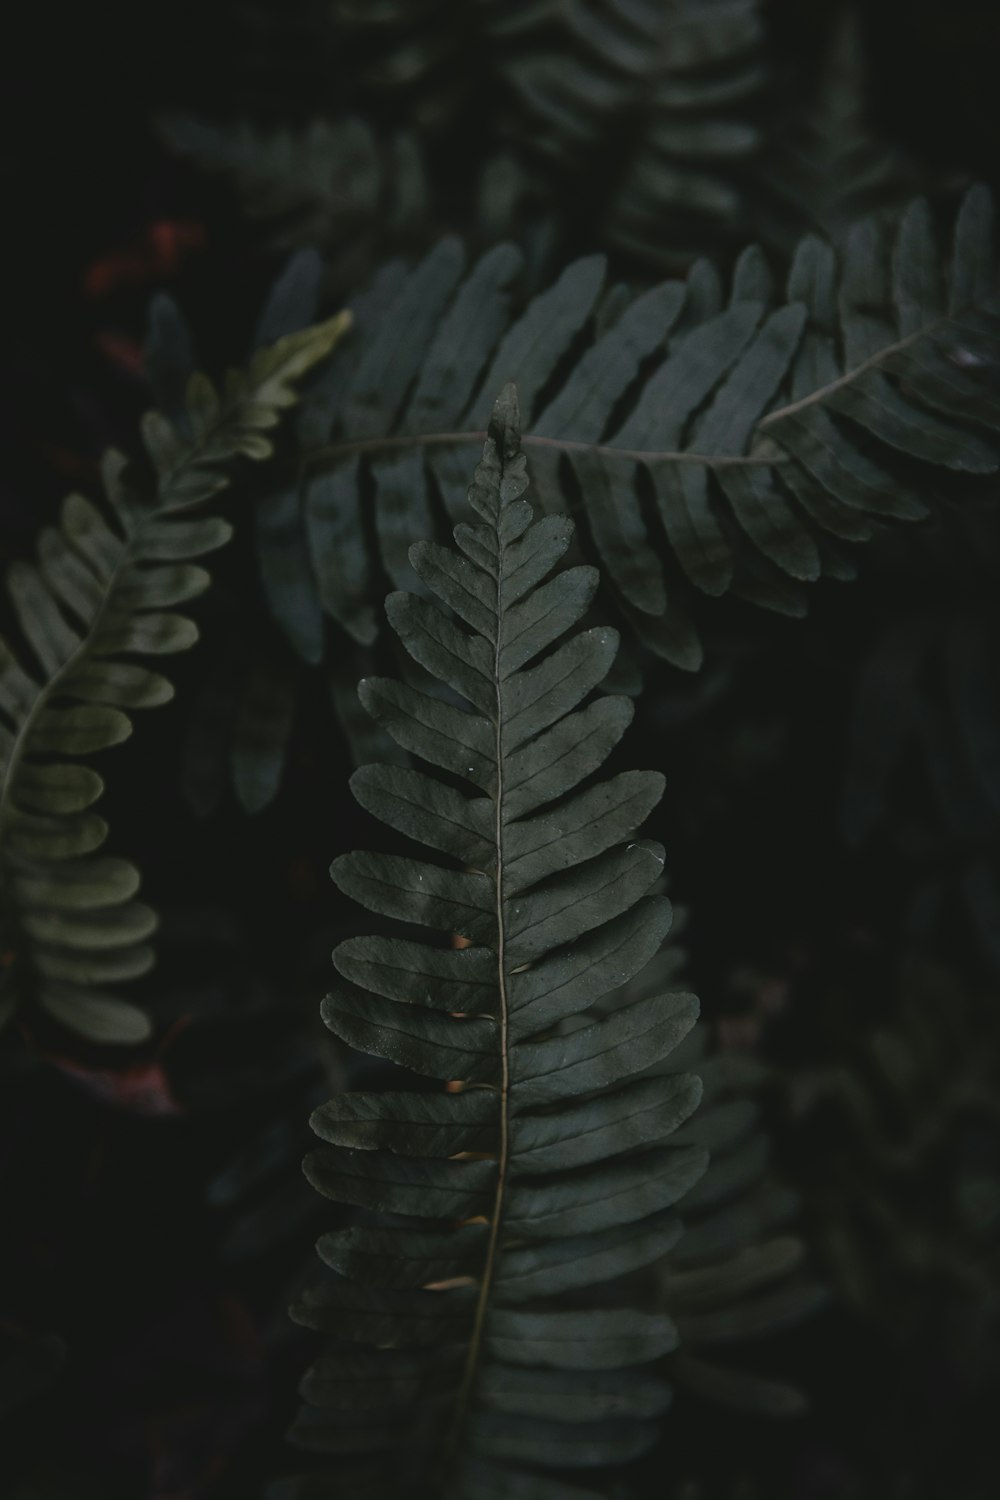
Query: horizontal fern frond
{"type": "Point", "coordinates": [487, 1335]}
{"type": "Point", "coordinates": [102, 596]}
{"type": "Point", "coordinates": [724, 443]}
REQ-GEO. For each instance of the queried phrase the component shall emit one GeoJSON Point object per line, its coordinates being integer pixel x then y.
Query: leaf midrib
{"type": "Point", "coordinates": [335, 452]}
{"type": "Point", "coordinates": [489, 1265]}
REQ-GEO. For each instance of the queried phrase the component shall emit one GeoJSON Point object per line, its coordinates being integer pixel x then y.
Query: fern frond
{"type": "Point", "coordinates": [721, 443]}
{"type": "Point", "coordinates": [737, 1273]}
{"type": "Point", "coordinates": [907, 1209]}
{"type": "Point", "coordinates": [662, 95]}
{"type": "Point", "coordinates": [924, 704]}
{"type": "Point", "coordinates": [492, 1345]}
{"type": "Point", "coordinates": [664, 92]}
{"type": "Point", "coordinates": [103, 595]}
{"type": "Point", "coordinates": [331, 183]}
{"type": "Point", "coordinates": [417, 50]}
{"type": "Point", "coordinates": [244, 713]}
{"type": "Point", "coordinates": [825, 165]}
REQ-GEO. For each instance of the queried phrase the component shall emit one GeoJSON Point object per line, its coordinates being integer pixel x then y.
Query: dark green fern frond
{"type": "Point", "coordinates": [825, 165]}
{"type": "Point", "coordinates": [907, 1203]}
{"type": "Point", "coordinates": [244, 713]}
{"type": "Point", "coordinates": [416, 52]}
{"type": "Point", "coordinates": [923, 764]}
{"type": "Point", "coordinates": [727, 444]}
{"type": "Point", "coordinates": [331, 184]}
{"type": "Point", "coordinates": [643, 109]}
{"type": "Point", "coordinates": [102, 596]}
{"type": "Point", "coordinates": [737, 1274]}
{"type": "Point", "coordinates": [486, 1336]}
{"type": "Point", "coordinates": [664, 94]}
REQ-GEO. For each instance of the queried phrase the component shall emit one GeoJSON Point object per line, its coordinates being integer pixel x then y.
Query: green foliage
{"type": "Point", "coordinates": [330, 183]}
{"type": "Point", "coordinates": [664, 96]}
{"type": "Point", "coordinates": [246, 706]}
{"type": "Point", "coordinates": [736, 1274]}
{"type": "Point", "coordinates": [923, 764]}
{"type": "Point", "coordinates": [826, 166]}
{"type": "Point", "coordinates": [666, 93]}
{"type": "Point", "coordinates": [419, 50]}
{"type": "Point", "coordinates": [499, 1338]}
{"type": "Point", "coordinates": [908, 1215]}
{"type": "Point", "coordinates": [102, 596]}
{"type": "Point", "coordinates": [724, 443]}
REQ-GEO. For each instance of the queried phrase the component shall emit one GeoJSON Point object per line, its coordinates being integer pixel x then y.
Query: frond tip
{"type": "Point", "coordinates": [474, 1356]}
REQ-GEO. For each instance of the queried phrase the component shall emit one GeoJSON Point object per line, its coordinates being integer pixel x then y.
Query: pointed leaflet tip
{"type": "Point", "coordinates": [501, 475]}
{"type": "Point", "coordinates": [505, 422]}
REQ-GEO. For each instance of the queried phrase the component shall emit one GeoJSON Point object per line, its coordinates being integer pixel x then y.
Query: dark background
{"type": "Point", "coordinates": [118, 1231]}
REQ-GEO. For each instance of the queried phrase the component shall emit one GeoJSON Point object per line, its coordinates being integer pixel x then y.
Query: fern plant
{"type": "Point", "coordinates": [492, 1341]}
{"type": "Point", "coordinates": [724, 443]}
{"type": "Point", "coordinates": [101, 597]}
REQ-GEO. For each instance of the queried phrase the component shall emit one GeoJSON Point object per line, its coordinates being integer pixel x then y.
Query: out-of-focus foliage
{"type": "Point", "coordinates": [667, 97]}
{"type": "Point", "coordinates": [826, 165]}
{"type": "Point", "coordinates": [908, 1215]}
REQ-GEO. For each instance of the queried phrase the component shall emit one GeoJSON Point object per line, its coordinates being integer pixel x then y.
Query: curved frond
{"type": "Point", "coordinates": [102, 596]}
{"type": "Point", "coordinates": [724, 445]}
{"type": "Point", "coordinates": [488, 1339]}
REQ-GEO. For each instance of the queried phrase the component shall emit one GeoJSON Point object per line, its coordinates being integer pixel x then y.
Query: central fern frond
{"type": "Point", "coordinates": [543, 1170]}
